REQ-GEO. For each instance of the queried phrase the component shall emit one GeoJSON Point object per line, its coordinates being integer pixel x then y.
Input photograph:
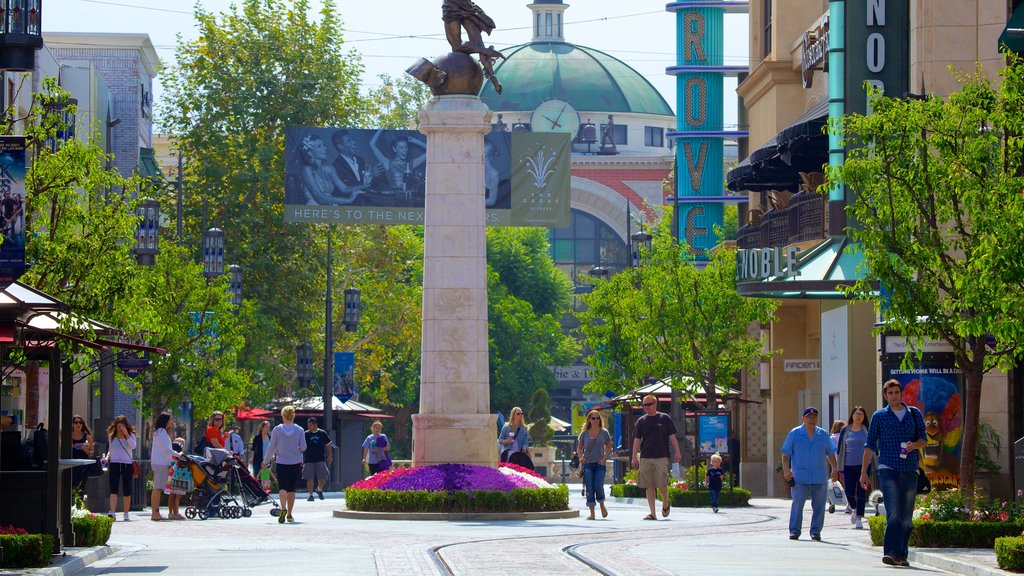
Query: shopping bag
{"type": "Point", "coordinates": [836, 494]}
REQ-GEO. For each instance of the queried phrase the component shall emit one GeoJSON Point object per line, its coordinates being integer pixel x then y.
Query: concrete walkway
{"type": "Point", "coordinates": [738, 542]}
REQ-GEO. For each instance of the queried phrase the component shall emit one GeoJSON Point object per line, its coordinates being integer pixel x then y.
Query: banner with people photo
{"type": "Point", "coordinates": [378, 176]}
{"type": "Point", "coordinates": [12, 209]}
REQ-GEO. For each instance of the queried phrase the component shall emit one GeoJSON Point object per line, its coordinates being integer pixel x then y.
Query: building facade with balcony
{"type": "Point", "coordinates": [807, 64]}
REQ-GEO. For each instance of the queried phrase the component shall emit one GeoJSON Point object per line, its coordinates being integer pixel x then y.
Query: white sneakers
{"type": "Point", "coordinates": [855, 520]}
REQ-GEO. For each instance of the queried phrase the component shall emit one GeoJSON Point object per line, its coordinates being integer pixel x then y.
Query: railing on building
{"type": "Point", "coordinates": [802, 220]}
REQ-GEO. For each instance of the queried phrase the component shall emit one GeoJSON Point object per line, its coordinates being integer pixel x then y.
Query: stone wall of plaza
{"type": "Point", "coordinates": [836, 332]}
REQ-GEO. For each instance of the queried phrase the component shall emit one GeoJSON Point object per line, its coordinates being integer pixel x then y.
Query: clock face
{"type": "Point", "coordinates": [555, 116]}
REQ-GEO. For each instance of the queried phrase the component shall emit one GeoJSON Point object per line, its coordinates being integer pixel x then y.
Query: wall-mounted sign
{"type": "Point", "coordinates": [815, 51]}
{"type": "Point", "coordinates": [900, 344]}
{"type": "Point", "coordinates": [801, 365]}
{"type": "Point", "coordinates": [713, 433]}
{"type": "Point", "coordinates": [761, 263]}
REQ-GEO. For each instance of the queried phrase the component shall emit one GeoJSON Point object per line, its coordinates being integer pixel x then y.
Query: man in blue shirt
{"type": "Point", "coordinates": [896, 433]}
{"type": "Point", "coordinates": [807, 454]}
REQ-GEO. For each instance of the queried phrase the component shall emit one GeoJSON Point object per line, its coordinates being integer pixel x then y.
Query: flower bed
{"type": "Point", "coordinates": [90, 529]}
{"type": "Point", "coordinates": [24, 550]}
{"type": "Point", "coordinates": [680, 496]}
{"type": "Point", "coordinates": [456, 488]}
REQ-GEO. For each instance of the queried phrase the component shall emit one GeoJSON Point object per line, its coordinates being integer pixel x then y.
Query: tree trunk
{"type": "Point", "coordinates": [969, 450]}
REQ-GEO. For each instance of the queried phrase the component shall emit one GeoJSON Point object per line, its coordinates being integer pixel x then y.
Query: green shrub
{"type": "Point", "coordinates": [92, 530]}
{"type": "Point", "coordinates": [1010, 553]}
{"type": "Point", "coordinates": [26, 550]}
{"type": "Point", "coordinates": [949, 534]}
{"type": "Point", "coordinates": [686, 498]}
{"type": "Point", "coordinates": [479, 501]}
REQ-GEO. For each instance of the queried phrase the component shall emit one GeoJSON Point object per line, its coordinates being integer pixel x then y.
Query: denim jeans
{"type": "Point", "coordinates": [899, 490]}
{"type": "Point", "coordinates": [800, 493]}
{"type": "Point", "coordinates": [593, 480]}
{"type": "Point", "coordinates": [855, 495]}
{"type": "Point", "coordinates": [714, 494]}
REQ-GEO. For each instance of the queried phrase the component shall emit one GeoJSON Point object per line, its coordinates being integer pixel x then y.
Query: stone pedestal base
{"type": "Point", "coordinates": [461, 438]}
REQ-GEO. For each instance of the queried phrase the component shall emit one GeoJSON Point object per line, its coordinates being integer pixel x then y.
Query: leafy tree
{"type": "Point", "coordinates": [669, 319]}
{"type": "Point", "coordinates": [938, 215]}
{"type": "Point", "coordinates": [526, 297]}
{"type": "Point", "coordinates": [540, 416]}
{"type": "Point", "coordinates": [261, 66]}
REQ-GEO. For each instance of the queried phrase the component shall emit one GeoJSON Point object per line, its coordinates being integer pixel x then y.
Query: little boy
{"type": "Point", "coordinates": [714, 480]}
{"type": "Point", "coordinates": [266, 476]}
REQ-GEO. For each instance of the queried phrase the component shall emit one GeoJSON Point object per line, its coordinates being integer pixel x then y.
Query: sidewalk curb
{"type": "Point", "coordinates": [943, 561]}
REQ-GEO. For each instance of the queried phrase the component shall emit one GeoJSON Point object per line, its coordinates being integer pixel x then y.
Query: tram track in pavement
{"type": "Point", "coordinates": [583, 563]}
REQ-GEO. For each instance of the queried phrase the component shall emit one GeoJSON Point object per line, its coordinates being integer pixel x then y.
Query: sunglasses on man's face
{"type": "Point", "coordinates": [646, 404]}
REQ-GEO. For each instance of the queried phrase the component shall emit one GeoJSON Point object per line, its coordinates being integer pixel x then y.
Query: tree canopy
{"type": "Point", "coordinates": [670, 319]}
{"type": "Point", "coordinates": [937, 212]}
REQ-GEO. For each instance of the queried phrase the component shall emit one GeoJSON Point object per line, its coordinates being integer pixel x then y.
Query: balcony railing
{"type": "Point", "coordinates": [802, 221]}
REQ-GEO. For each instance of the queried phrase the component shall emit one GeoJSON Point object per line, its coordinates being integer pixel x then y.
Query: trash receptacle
{"type": "Point", "coordinates": [140, 495]}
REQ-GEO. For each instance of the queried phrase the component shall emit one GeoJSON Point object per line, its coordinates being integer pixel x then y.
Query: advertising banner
{"type": "Point", "coordinates": [936, 389]}
{"type": "Point", "coordinates": [377, 176]}
{"type": "Point", "coordinates": [713, 433]}
{"type": "Point", "coordinates": [344, 376]}
{"type": "Point", "coordinates": [12, 209]}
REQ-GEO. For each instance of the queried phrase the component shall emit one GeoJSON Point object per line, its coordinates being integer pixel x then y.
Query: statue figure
{"type": "Point", "coordinates": [608, 138]}
{"type": "Point", "coordinates": [459, 14]}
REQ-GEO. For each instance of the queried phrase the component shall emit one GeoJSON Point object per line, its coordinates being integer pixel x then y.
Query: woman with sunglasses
{"type": "Point", "coordinates": [81, 448]}
{"type": "Point", "coordinates": [513, 437]}
{"type": "Point", "coordinates": [595, 447]}
{"type": "Point", "coordinates": [215, 433]}
{"type": "Point", "coordinates": [121, 445]}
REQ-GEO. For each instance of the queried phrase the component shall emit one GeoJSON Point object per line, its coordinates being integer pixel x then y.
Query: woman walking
{"type": "Point", "coordinates": [595, 446]}
{"type": "Point", "coordinates": [851, 454]}
{"type": "Point", "coordinates": [121, 444]}
{"type": "Point", "coordinates": [287, 443]}
{"type": "Point", "coordinates": [374, 447]}
{"type": "Point", "coordinates": [260, 443]}
{"type": "Point", "coordinates": [162, 460]}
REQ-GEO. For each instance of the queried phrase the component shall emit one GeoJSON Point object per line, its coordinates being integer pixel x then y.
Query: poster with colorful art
{"type": "Point", "coordinates": [936, 389]}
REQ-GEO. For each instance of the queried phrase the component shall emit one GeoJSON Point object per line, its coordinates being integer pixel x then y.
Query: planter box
{"type": "Point", "coordinates": [930, 534]}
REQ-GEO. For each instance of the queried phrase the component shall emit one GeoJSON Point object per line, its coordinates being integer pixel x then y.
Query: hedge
{"type": "Point", "coordinates": [478, 501]}
{"type": "Point", "coordinates": [949, 534]}
{"type": "Point", "coordinates": [93, 530]}
{"type": "Point", "coordinates": [1010, 553]}
{"type": "Point", "coordinates": [686, 498]}
{"type": "Point", "coordinates": [26, 550]}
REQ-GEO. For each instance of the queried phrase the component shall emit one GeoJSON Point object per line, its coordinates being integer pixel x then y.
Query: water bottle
{"type": "Point", "coordinates": [103, 463]}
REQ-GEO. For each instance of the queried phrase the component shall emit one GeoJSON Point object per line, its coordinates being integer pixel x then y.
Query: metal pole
{"type": "Point", "coordinates": [629, 235]}
{"type": "Point", "coordinates": [328, 418]}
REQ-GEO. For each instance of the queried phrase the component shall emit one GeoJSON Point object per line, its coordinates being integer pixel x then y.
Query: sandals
{"type": "Point", "coordinates": [604, 511]}
{"type": "Point", "coordinates": [665, 510]}
{"type": "Point", "coordinates": [650, 517]}
{"type": "Point", "coordinates": [158, 519]}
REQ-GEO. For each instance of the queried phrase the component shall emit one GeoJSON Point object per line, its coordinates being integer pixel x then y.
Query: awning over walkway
{"type": "Point", "coordinates": [1013, 35]}
{"type": "Point", "coordinates": [822, 271]}
{"type": "Point", "coordinates": [776, 165]}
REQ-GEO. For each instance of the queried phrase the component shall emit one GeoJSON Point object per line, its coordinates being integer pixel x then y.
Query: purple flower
{"type": "Point", "coordinates": [455, 478]}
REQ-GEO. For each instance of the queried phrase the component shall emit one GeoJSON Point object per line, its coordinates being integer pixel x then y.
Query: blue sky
{"type": "Point", "coordinates": [391, 34]}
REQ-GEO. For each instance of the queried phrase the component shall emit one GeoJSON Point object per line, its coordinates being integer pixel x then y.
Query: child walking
{"type": "Point", "coordinates": [265, 477]}
{"type": "Point", "coordinates": [714, 480]}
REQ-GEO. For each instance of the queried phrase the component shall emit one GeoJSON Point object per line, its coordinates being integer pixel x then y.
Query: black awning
{"type": "Point", "coordinates": [1012, 38]}
{"type": "Point", "coordinates": [776, 165]}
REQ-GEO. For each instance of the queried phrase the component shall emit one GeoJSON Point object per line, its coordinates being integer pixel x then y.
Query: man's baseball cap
{"type": "Point", "coordinates": [310, 419]}
{"type": "Point", "coordinates": [810, 410]}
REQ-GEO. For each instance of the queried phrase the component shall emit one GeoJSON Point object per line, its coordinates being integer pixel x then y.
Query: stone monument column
{"type": "Point", "coordinates": [454, 424]}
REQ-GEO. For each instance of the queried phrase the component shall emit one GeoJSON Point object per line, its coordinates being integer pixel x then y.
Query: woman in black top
{"type": "Point", "coordinates": [81, 448]}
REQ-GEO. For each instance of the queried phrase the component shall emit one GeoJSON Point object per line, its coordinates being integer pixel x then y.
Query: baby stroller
{"type": "Point", "coordinates": [220, 486]}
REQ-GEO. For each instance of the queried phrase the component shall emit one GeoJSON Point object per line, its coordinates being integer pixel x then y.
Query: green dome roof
{"type": "Point", "coordinates": [589, 79]}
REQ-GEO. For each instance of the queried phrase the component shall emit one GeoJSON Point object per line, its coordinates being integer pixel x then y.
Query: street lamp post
{"type": "Point", "coordinates": [148, 231]}
{"type": "Point", "coordinates": [304, 363]}
{"type": "Point", "coordinates": [235, 284]}
{"type": "Point", "coordinates": [213, 253]}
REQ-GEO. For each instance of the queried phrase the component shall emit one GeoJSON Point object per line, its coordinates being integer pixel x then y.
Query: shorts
{"type": "Point", "coordinates": [315, 471]}
{"type": "Point", "coordinates": [288, 476]}
{"type": "Point", "coordinates": [160, 476]}
{"type": "Point", "coordinates": [653, 473]}
{"type": "Point", "coordinates": [120, 478]}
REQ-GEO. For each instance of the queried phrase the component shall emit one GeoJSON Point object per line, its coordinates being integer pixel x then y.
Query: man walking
{"type": "Point", "coordinates": [896, 433]}
{"type": "Point", "coordinates": [318, 449]}
{"type": "Point", "coordinates": [807, 454]}
{"type": "Point", "coordinates": [651, 436]}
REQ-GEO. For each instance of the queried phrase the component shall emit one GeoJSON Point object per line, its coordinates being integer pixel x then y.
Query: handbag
{"type": "Point", "coordinates": [574, 463]}
{"type": "Point", "coordinates": [136, 471]}
{"type": "Point", "coordinates": [924, 485]}
{"type": "Point", "coordinates": [180, 482]}
{"type": "Point", "coordinates": [385, 462]}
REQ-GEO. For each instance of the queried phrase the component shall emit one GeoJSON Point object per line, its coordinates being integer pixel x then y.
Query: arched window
{"type": "Point", "coordinates": [585, 243]}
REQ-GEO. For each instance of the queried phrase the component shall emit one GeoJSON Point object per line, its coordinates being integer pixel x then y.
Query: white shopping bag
{"type": "Point", "coordinates": [677, 472]}
{"type": "Point", "coordinates": [836, 494]}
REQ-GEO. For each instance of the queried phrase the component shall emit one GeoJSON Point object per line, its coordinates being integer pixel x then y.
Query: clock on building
{"type": "Point", "coordinates": [555, 116]}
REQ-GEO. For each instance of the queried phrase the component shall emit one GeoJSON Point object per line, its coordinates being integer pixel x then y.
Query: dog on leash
{"type": "Point", "coordinates": [875, 499]}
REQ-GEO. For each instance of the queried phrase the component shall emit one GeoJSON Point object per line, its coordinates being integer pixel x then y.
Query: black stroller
{"type": "Point", "coordinates": [223, 487]}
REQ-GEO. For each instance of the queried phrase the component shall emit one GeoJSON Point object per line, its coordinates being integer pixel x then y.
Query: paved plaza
{"type": "Point", "coordinates": [690, 541]}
